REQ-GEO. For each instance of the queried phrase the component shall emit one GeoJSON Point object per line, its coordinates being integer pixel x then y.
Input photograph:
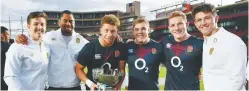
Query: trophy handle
{"type": "Point", "coordinates": [107, 63]}
{"type": "Point", "coordinates": [115, 72]}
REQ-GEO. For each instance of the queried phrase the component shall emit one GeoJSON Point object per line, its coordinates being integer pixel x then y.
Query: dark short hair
{"type": "Point", "coordinates": [204, 8]}
{"type": "Point", "coordinates": [35, 15]}
{"type": "Point", "coordinates": [65, 12]}
{"type": "Point", "coordinates": [3, 29]}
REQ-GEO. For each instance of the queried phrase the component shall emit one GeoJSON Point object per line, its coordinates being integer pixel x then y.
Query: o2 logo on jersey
{"type": "Point", "coordinates": [143, 65]}
{"type": "Point", "coordinates": [179, 62]}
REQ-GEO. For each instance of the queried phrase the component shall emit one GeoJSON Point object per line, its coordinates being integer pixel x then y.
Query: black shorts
{"type": "Point", "coordinates": [73, 88]}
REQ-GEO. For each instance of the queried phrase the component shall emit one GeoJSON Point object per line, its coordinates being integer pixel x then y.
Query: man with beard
{"type": "Point", "coordinates": [64, 45]}
{"type": "Point", "coordinates": [104, 50]}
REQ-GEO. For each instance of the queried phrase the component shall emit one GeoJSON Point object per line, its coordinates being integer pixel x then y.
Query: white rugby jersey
{"type": "Point", "coordinates": [224, 61]}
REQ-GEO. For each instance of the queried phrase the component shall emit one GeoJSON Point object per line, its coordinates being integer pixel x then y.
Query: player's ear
{"type": "Point", "coordinates": [28, 26]}
{"type": "Point", "coordinates": [100, 31]}
{"type": "Point", "coordinates": [59, 21]}
{"type": "Point", "coordinates": [216, 19]}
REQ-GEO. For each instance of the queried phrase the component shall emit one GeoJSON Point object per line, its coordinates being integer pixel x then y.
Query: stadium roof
{"type": "Point", "coordinates": [219, 7]}
{"type": "Point", "coordinates": [86, 12]}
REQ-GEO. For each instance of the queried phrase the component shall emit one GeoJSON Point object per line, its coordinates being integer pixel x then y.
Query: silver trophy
{"type": "Point", "coordinates": [106, 78]}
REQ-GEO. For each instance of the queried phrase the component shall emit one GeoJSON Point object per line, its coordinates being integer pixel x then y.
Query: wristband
{"type": "Point", "coordinates": [89, 83]}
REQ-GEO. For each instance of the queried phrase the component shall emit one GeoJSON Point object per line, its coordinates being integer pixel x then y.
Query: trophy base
{"type": "Point", "coordinates": [103, 87]}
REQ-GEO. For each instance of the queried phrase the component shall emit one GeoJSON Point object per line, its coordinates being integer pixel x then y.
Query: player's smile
{"type": "Point", "coordinates": [178, 32]}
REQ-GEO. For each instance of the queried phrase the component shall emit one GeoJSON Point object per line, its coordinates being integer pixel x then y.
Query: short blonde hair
{"type": "Point", "coordinates": [140, 20]}
{"type": "Point", "coordinates": [176, 14]}
{"type": "Point", "coordinates": [110, 19]}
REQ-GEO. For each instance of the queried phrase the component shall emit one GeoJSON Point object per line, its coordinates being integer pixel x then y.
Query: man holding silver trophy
{"type": "Point", "coordinates": [104, 57]}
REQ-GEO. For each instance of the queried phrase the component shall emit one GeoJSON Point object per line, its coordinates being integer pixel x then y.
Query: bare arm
{"type": "Point", "coordinates": [82, 76]}
{"type": "Point", "coordinates": [122, 70]}
{"type": "Point", "coordinates": [80, 73]}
